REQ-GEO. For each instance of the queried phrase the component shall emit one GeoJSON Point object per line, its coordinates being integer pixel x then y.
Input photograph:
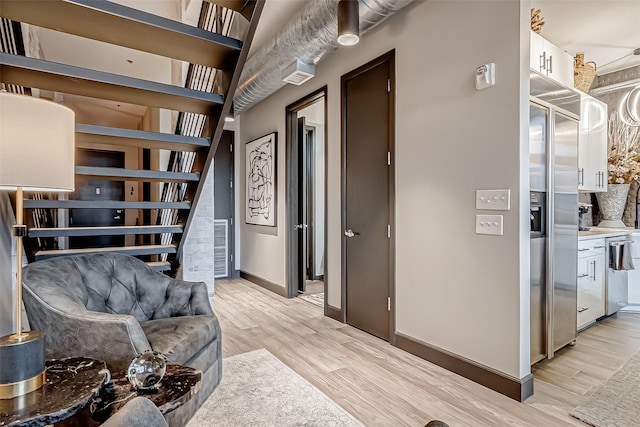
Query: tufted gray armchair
{"type": "Point", "coordinates": [112, 306]}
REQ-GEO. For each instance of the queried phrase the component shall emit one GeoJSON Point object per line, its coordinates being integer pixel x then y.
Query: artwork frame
{"type": "Point", "coordinates": [261, 184]}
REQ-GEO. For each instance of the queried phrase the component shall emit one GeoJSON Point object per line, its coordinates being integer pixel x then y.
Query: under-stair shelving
{"type": "Point", "coordinates": [213, 56]}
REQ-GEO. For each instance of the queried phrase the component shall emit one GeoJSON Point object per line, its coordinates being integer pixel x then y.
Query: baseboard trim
{"type": "Point", "coordinates": [280, 290]}
{"type": "Point", "coordinates": [518, 389]}
{"type": "Point", "coordinates": [334, 313]}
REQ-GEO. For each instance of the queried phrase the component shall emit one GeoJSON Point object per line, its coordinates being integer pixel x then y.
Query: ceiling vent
{"type": "Point", "coordinates": [298, 73]}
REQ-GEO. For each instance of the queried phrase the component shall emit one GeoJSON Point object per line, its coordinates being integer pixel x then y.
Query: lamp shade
{"type": "Point", "coordinates": [36, 144]}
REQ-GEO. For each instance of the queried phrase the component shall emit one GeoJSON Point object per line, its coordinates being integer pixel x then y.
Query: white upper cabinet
{"type": "Point", "coordinates": [592, 145]}
{"type": "Point", "coordinates": [551, 61]}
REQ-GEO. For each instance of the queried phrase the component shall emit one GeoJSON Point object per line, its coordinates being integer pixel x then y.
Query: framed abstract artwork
{"type": "Point", "coordinates": [261, 192]}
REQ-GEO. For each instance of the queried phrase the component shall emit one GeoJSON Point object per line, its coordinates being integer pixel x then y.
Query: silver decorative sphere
{"type": "Point", "coordinates": [146, 370]}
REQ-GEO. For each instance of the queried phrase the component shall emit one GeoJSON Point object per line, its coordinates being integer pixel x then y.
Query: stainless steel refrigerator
{"type": "Point", "coordinates": [553, 160]}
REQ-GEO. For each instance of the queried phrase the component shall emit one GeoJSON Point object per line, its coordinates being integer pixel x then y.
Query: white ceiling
{"type": "Point", "coordinates": [275, 14]}
{"type": "Point", "coordinates": [606, 30]}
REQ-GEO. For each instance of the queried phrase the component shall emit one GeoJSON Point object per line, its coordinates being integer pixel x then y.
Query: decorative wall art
{"type": "Point", "coordinates": [260, 158]}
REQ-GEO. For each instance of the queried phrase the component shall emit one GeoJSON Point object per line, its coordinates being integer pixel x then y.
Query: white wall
{"type": "Point", "coordinates": [464, 293]}
{"type": "Point", "coordinates": [318, 203]}
{"type": "Point", "coordinates": [198, 243]}
{"type": "Point", "coordinates": [314, 115]}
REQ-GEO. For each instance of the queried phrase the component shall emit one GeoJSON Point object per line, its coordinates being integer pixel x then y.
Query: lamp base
{"type": "Point", "coordinates": [22, 368]}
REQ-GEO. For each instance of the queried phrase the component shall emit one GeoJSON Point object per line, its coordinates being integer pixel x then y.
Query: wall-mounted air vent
{"type": "Point", "coordinates": [221, 248]}
{"type": "Point", "coordinates": [298, 73]}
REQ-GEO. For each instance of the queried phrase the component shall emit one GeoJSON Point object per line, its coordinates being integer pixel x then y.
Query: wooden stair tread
{"type": "Point", "coordinates": [160, 265]}
{"type": "Point", "coordinates": [90, 134]}
{"type": "Point", "coordinates": [136, 174]}
{"type": "Point", "coordinates": [130, 250]}
{"type": "Point", "coordinates": [136, 29]}
{"type": "Point", "coordinates": [102, 204]}
{"type": "Point", "coordinates": [104, 231]}
{"type": "Point", "coordinates": [41, 74]}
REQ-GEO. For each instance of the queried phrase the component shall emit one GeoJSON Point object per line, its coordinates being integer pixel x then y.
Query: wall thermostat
{"type": "Point", "coordinates": [485, 76]}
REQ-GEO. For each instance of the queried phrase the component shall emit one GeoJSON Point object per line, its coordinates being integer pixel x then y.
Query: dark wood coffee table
{"type": "Point", "coordinates": [180, 383]}
{"type": "Point", "coordinates": [71, 384]}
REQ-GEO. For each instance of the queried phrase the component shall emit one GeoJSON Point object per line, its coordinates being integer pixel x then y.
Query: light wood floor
{"type": "Point", "coordinates": [384, 386]}
{"type": "Point", "coordinates": [314, 287]}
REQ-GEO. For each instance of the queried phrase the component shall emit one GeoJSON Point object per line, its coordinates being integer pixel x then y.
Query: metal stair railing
{"type": "Point", "coordinates": [201, 105]}
{"type": "Point", "coordinates": [212, 18]}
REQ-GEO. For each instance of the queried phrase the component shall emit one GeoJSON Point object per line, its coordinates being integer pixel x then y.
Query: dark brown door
{"type": "Point", "coordinates": [98, 190]}
{"type": "Point", "coordinates": [367, 147]}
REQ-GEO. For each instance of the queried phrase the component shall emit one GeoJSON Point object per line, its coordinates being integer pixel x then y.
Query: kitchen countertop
{"type": "Point", "coordinates": [599, 232]}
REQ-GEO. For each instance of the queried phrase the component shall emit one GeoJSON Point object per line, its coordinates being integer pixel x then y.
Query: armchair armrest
{"type": "Point", "coordinates": [76, 331]}
{"type": "Point", "coordinates": [184, 299]}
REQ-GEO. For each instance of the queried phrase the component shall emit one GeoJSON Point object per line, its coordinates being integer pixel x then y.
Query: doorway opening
{"type": "Point", "coordinates": [306, 198]}
{"type": "Point", "coordinates": [223, 206]}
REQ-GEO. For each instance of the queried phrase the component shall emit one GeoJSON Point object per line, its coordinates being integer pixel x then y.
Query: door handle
{"type": "Point", "coordinates": [581, 309]}
{"type": "Point", "coordinates": [350, 233]}
{"type": "Point", "coordinates": [300, 226]}
{"type": "Point", "coordinates": [543, 61]}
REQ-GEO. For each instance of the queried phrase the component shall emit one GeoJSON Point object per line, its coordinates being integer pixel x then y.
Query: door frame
{"type": "Point", "coordinates": [231, 237]}
{"type": "Point", "coordinates": [389, 57]}
{"type": "Point", "coordinates": [311, 184]}
{"type": "Point", "coordinates": [291, 213]}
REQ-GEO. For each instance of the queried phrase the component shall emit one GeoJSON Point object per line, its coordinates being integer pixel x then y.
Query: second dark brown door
{"type": "Point", "coordinates": [366, 109]}
{"type": "Point", "coordinates": [97, 190]}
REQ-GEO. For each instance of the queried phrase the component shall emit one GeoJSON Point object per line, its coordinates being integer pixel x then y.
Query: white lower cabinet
{"type": "Point", "coordinates": [591, 271]}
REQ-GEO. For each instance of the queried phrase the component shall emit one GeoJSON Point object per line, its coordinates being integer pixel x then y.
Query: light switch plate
{"type": "Point", "coordinates": [495, 200]}
{"type": "Point", "coordinates": [489, 224]}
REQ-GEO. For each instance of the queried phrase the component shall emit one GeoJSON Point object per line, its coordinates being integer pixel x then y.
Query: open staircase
{"type": "Point", "coordinates": [215, 63]}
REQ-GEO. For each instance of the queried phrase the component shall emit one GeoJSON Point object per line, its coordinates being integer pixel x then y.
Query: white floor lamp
{"type": "Point", "coordinates": [36, 154]}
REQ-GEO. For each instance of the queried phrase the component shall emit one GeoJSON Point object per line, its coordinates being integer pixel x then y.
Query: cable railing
{"type": "Point", "coordinates": [199, 77]}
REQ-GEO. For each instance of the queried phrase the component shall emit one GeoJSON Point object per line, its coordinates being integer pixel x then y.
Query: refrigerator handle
{"type": "Point", "coordinates": [549, 261]}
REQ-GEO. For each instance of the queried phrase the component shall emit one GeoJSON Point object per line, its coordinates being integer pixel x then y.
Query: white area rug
{"type": "Point", "coordinates": [257, 389]}
{"type": "Point", "coordinates": [617, 402]}
{"type": "Point", "coordinates": [315, 299]}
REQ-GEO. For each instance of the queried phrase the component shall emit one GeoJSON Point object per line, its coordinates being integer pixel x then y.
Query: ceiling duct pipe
{"type": "Point", "coordinates": [308, 37]}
